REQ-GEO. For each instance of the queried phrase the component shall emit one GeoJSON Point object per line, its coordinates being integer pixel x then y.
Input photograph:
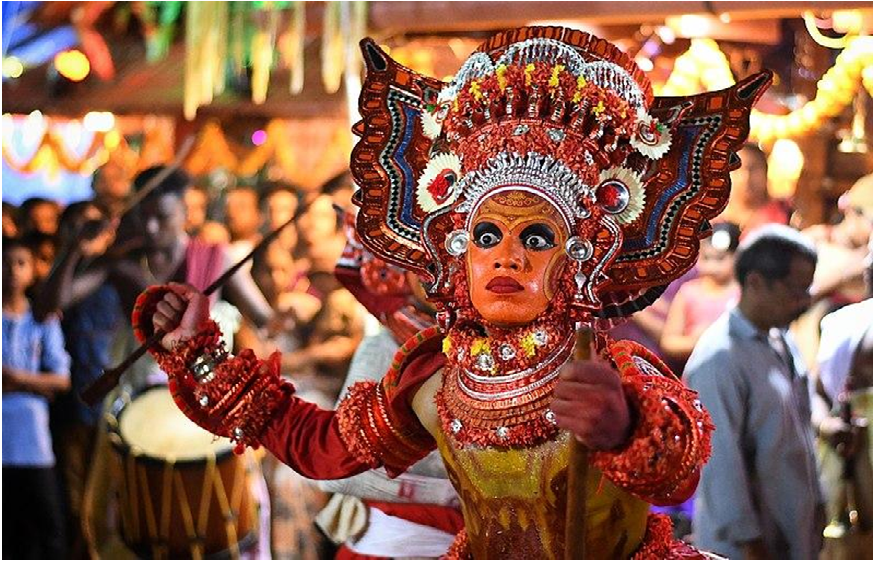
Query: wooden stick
{"type": "Point", "coordinates": [110, 377]}
{"type": "Point", "coordinates": [577, 475]}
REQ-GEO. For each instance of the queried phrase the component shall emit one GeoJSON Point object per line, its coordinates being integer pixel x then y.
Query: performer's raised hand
{"type": "Point", "coordinates": [179, 313]}
{"type": "Point", "coordinates": [590, 403]}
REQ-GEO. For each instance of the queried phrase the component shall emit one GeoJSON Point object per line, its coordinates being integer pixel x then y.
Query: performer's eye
{"type": "Point", "coordinates": [486, 235]}
{"type": "Point", "coordinates": [538, 237]}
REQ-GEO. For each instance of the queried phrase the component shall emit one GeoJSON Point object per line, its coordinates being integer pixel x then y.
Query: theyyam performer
{"type": "Point", "coordinates": [544, 189]}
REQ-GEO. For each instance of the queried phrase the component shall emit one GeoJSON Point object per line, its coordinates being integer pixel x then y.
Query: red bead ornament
{"type": "Point", "coordinates": [613, 196]}
{"type": "Point", "coordinates": [459, 549]}
{"type": "Point", "coordinates": [658, 543]}
{"type": "Point", "coordinates": [374, 436]}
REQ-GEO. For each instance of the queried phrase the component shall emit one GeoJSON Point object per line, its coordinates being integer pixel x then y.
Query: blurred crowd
{"type": "Point", "coordinates": [71, 276]}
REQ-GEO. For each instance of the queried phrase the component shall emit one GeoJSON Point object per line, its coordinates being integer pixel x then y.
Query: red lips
{"type": "Point", "coordinates": [504, 284]}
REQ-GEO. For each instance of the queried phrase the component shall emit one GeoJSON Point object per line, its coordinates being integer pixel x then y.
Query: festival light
{"type": "Point", "coordinates": [99, 121]}
{"type": "Point", "coordinates": [73, 65]}
{"type": "Point", "coordinates": [259, 137]}
{"type": "Point", "coordinates": [645, 63]}
{"type": "Point", "coordinates": [784, 167]}
{"type": "Point", "coordinates": [12, 67]}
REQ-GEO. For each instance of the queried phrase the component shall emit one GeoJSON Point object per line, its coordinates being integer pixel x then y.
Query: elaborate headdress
{"type": "Point", "coordinates": [382, 288]}
{"type": "Point", "coordinates": [567, 116]}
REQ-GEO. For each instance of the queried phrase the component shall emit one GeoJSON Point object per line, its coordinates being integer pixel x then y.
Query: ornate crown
{"type": "Point", "coordinates": [563, 114]}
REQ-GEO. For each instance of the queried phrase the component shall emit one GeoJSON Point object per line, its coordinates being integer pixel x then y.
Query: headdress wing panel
{"type": "Point", "coordinates": [687, 187]}
{"type": "Point", "coordinates": [389, 158]}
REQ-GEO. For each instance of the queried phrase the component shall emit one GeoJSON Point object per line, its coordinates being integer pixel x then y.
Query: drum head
{"type": "Point", "coordinates": [153, 425]}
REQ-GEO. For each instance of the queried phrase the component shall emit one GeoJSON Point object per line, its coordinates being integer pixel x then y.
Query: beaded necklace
{"type": "Point", "coordinates": [497, 387]}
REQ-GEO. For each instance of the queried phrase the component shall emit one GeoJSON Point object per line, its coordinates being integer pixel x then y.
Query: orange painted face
{"type": "Point", "coordinates": [516, 253]}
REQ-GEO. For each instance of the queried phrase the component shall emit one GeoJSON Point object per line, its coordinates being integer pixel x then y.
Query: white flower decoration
{"type": "Point", "coordinates": [621, 193]}
{"type": "Point", "coordinates": [429, 125]}
{"type": "Point", "coordinates": [432, 122]}
{"type": "Point", "coordinates": [438, 183]}
{"type": "Point", "coordinates": [651, 138]}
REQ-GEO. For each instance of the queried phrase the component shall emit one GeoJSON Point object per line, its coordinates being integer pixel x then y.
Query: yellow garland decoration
{"type": "Point", "coordinates": [705, 67]}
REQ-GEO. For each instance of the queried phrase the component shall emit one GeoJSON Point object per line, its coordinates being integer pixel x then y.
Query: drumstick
{"type": "Point", "coordinates": [577, 475]}
{"type": "Point", "coordinates": [110, 377]}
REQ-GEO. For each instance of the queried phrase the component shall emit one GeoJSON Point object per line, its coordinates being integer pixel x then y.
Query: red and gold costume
{"type": "Point", "coordinates": [549, 143]}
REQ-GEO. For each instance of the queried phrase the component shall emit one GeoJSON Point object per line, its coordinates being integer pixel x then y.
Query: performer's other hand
{"type": "Point", "coordinates": [181, 311]}
{"type": "Point", "coordinates": [590, 403]}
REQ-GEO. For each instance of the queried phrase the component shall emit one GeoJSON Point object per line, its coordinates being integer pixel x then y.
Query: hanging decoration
{"type": "Point", "coordinates": [60, 142]}
{"type": "Point", "coordinates": [332, 50]}
{"type": "Point", "coordinates": [211, 151]}
{"type": "Point", "coordinates": [238, 42]}
{"type": "Point", "coordinates": [84, 18]}
{"type": "Point", "coordinates": [302, 153]}
{"type": "Point", "coordinates": [159, 26]}
{"type": "Point", "coordinates": [705, 67]}
{"type": "Point", "coordinates": [291, 45]}
{"type": "Point", "coordinates": [205, 53]}
{"type": "Point", "coordinates": [262, 53]}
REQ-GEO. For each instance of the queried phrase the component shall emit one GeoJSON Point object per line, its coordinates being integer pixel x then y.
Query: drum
{"type": "Point", "coordinates": [183, 494]}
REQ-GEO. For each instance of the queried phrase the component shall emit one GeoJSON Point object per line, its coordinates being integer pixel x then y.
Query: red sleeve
{"type": "Point", "coordinates": [374, 424]}
{"type": "Point", "coordinates": [245, 399]}
{"type": "Point", "coordinates": [307, 438]}
{"type": "Point", "coordinates": [671, 439]}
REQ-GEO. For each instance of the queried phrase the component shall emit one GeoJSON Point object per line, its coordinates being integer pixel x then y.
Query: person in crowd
{"type": "Point", "coordinates": [89, 328]}
{"type": "Point", "coordinates": [111, 185]}
{"type": "Point", "coordinates": [328, 343]}
{"type": "Point", "coordinates": [751, 205]}
{"type": "Point", "coordinates": [841, 333]}
{"type": "Point", "coordinates": [294, 500]}
{"type": "Point", "coordinates": [10, 220]}
{"type": "Point", "coordinates": [842, 247]}
{"type": "Point", "coordinates": [242, 217]}
{"type": "Point", "coordinates": [163, 252]}
{"type": "Point", "coordinates": [759, 495]}
{"type": "Point", "coordinates": [196, 209]}
{"type": "Point", "coordinates": [321, 241]}
{"type": "Point", "coordinates": [40, 215]}
{"type": "Point", "coordinates": [341, 188]}
{"type": "Point", "coordinates": [280, 201]}
{"type": "Point", "coordinates": [44, 248]}
{"type": "Point", "coordinates": [845, 386]}
{"type": "Point", "coordinates": [839, 276]}
{"type": "Point", "coordinates": [699, 302]}
{"type": "Point", "coordinates": [275, 274]}
{"type": "Point", "coordinates": [35, 369]}
{"type": "Point", "coordinates": [198, 221]}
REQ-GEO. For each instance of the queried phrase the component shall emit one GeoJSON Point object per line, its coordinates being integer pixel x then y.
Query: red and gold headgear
{"type": "Point", "coordinates": [568, 117]}
{"type": "Point", "coordinates": [382, 288]}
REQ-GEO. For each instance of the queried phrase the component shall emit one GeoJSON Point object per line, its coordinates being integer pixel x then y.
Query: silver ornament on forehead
{"type": "Point", "coordinates": [457, 242]}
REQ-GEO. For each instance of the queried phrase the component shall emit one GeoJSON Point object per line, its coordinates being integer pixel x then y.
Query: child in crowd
{"type": "Point", "coordinates": [35, 368]}
{"type": "Point", "coordinates": [702, 300]}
